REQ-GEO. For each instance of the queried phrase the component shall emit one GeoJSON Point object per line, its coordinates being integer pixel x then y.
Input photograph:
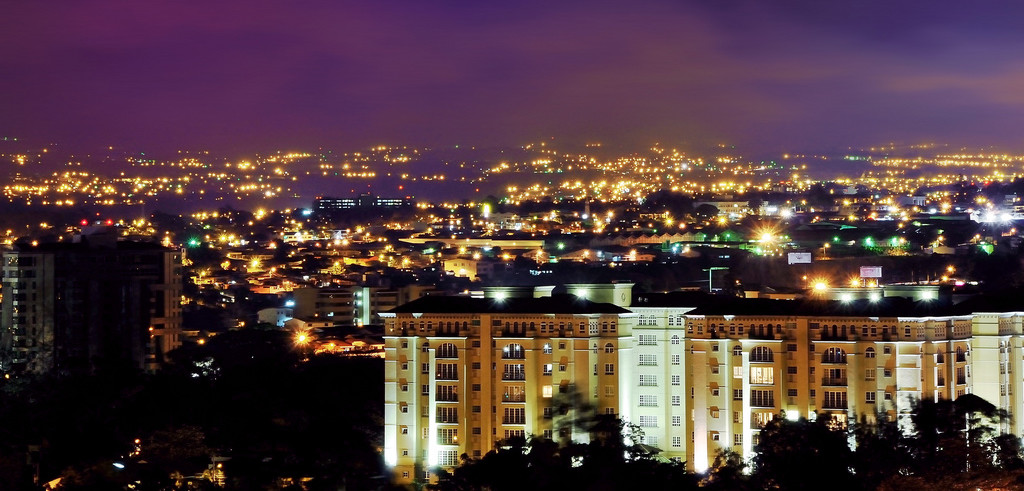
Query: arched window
{"type": "Point", "coordinates": [762, 354]}
{"type": "Point", "coordinates": [609, 348]}
{"type": "Point", "coordinates": [737, 351]}
{"type": "Point", "coordinates": [447, 350]}
{"type": "Point", "coordinates": [833, 355]}
{"type": "Point", "coordinates": [513, 352]}
{"type": "Point", "coordinates": [674, 339]}
{"type": "Point", "coordinates": [869, 353]}
{"type": "Point", "coordinates": [425, 348]}
{"type": "Point", "coordinates": [940, 357]}
{"type": "Point", "coordinates": [961, 355]}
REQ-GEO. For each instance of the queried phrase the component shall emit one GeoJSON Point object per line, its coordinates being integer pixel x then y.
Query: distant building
{"type": "Point", "coordinates": [460, 266]}
{"type": "Point", "coordinates": [326, 204]}
{"type": "Point", "coordinates": [297, 324]}
{"type": "Point", "coordinates": [97, 303]}
{"type": "Point", "coordinates": [335, 303]}
{"type": "Point", "coordinates": [353, 305]}
{"type": "Point", "coordinates": [274, 315]}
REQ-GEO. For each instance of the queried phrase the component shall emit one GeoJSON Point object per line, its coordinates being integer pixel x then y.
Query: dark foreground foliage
{"type": "Point", "coordinates": [245, 395]}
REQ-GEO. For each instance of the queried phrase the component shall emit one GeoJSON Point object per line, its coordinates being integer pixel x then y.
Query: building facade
{"type": "Point", "coordinates": [353, 305]}
{"type": "Point", "coordinates": [94, 304]}
{"type": "Point", "coordinates": [696, 373]}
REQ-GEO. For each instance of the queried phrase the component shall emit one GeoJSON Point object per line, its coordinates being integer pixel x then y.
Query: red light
{"type": "Point", "coordinates": [85, 222]}
{"type": "Point", "coordinates": [110, 222]}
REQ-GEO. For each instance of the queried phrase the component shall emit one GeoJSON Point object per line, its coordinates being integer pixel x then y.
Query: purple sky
{"type": "Point", "coordinates": [257, 75]}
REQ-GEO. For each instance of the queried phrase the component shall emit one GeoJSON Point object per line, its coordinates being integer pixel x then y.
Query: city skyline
{"type": "Point", "coordinates": [235, 76]}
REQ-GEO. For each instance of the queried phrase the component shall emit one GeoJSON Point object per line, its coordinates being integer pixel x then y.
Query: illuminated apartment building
{"type": "Point", "coordinates": [696, 373]}
{"type": "Point", "coordinates": [463, 373]}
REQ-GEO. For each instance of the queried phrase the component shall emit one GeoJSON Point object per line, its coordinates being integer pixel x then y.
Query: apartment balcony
{"type": "Point", "coordinates": [447, 398]}
{"type": "Point", "coordinates": [514, 421]}
{"type": "Point", "coordinates": [513, 376]}
{"type": "Point", "coordinates": [763, 403]}
{"type": "Point", "coordinates": [834, 405]}
{"type": "Point", "coordinates": [835, 337]}
{"type": "Point", "coordinates": [446, 376]}
{"type": "Point", "coordinates": [514, 398]}
{"type": "Point", "coordinates": [834, 381]}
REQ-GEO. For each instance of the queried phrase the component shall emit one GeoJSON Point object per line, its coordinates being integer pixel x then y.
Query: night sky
{"type": "Point", "coordinates": [250, 75]}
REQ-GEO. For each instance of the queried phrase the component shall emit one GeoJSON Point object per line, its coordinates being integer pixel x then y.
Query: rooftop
{"type": "Point", "coordinates": [555, 304]}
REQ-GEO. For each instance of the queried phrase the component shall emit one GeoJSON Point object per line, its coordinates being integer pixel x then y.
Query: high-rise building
{"type": "Point", "coordinates": [90, 305]}
{"type": "Point", "coordinates": [696, 373]}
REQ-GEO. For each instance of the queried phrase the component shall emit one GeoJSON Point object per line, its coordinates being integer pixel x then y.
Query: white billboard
{"type": "Point", "coordinates": [870, 271]}
{"type": "Point", "coordinates": [799, 258]}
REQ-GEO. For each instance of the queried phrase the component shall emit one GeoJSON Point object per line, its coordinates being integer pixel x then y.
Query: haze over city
{"type": "Point", "coordinates": [241, 77]}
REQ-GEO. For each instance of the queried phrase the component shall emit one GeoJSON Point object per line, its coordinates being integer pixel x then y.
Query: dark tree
{"type": "Point", "coordinates": [803, 454]}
